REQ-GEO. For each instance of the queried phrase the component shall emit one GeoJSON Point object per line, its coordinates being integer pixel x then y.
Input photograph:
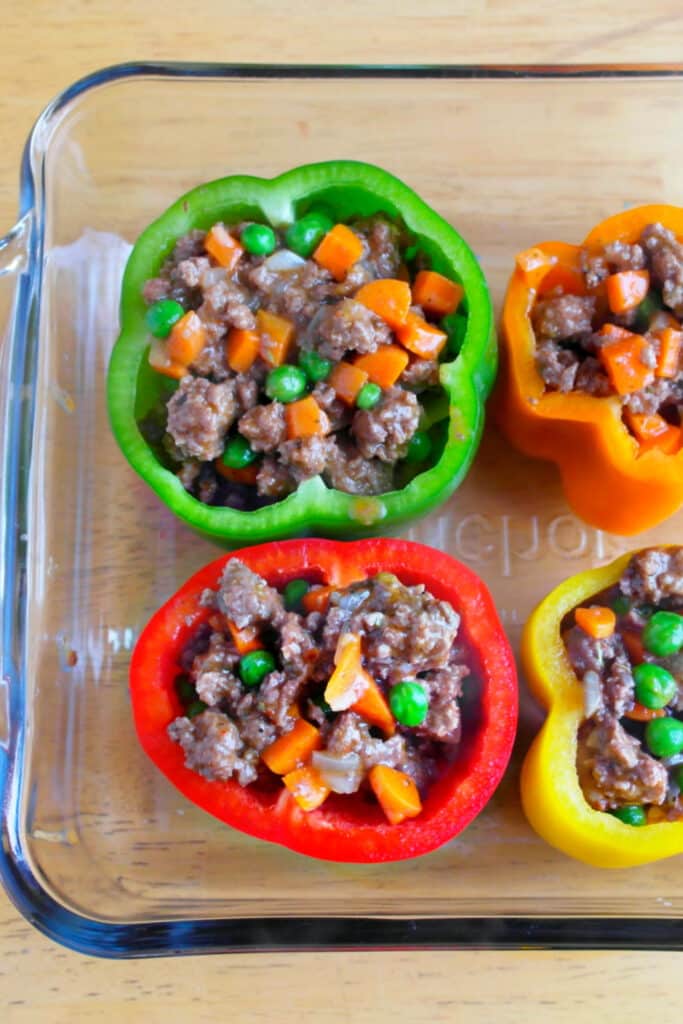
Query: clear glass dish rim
{"type": "Point", "coordinates": [159, 938]}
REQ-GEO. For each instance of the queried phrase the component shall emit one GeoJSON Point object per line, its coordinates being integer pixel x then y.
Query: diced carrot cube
{"type": "Point", "coordinates": [624, 364]}
{"type": "Point", "coordinates": [242, 349]}
{"type": "Point", "coordinates": [349, 681]}
{"type": "Point", "coordinates": [653, 431]}
{"type": "Point", "coordinates": [670, 343]}
{"type": "Point", "coordinates": [187, 339]}
{"type": "Point", "coordinates": [396, 792]}
{"type": "Point", "coordinates": [598, 621]}
{"type": "Point", "coordinates": [276, 336]}
{"type": "Point", "coordinates": [338, 251]}
{"type": "Point", "coordinates": [420, 338]}
{"type": "Point", "coordinates": [390, 299]}
{"type": "Point", "coordinates": [347, 379]}
{"type": "Point", "coordinates": [293, 749]}
{"type": "Point", "coordinates": [627, 289]}
{"type": "Point", "coordinates": [614, 331]}
{"type": "Point", "coordinates": [639, 713]}
{"type": "Point", "coordinates": [305, 418]}
{"type": "Point", "coordinates": [384, 366]}
{"type": "Point", "coordinates": [245, 640]}
{"type": "Point", "coordinates": [316, 599]}
{"type": "Point", "coordinates": [225, 249]}
{"type": "Point", "coordinates": [436, 294]}
{"type": "Point", "coordinates": [307, 788]}
{"type": "Point", "coordinates": [373, 707]}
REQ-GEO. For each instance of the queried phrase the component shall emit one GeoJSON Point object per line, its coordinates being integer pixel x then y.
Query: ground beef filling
{"type": "Point", "coordinates": [406, 635]}
{"type": "Point", "coordinates": [575, 332]}
{"type": "Point", "coordinates": [632, 678]}
{"type": "Point", "coordinates": [356, 446]}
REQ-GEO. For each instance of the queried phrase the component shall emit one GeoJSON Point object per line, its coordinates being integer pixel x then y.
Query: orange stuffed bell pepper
{"type": "Point", "coordinates": [603, 653]}
{"type": "Point", "coordinates": [592, 366]}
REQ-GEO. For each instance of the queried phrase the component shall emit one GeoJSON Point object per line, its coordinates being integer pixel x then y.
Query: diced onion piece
{"type": "Point", "coordinates": [284, 259]}
{"type": "Point", "coordinates": [212, 276]}
{"type": "Point", "coordinates": [592, 693]}
{"type": "Point", "coordinates": [342, 773]}
{"type": "Point", "coordinates": [671, 762]}
{"type": "Point", "coordinates": [308, 339]}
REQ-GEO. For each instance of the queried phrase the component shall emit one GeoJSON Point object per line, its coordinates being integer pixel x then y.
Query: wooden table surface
{"type": "Point", "coordinates": [43, 47]}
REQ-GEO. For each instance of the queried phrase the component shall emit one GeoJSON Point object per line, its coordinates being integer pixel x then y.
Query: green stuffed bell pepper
{"type": "Point", "coordinates": [310, 353]}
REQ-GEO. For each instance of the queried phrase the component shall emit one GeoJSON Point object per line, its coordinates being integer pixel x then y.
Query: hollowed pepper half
{"type": "Point", "coordinates": [348, 828]}
{"type": "Point", "coordinates": [610, 479]}
{"type": "Point", "coordinates": [345, 189]}
{"type": "Point", "coordinates": [552, 797]}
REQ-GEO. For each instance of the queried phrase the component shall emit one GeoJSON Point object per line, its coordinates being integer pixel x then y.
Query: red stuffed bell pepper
{"type": "Point", "coordinates": [373, 724]}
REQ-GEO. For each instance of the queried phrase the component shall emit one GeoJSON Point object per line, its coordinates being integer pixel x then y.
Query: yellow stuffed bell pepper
{"type": "Point", "coordinates": [552, 796]}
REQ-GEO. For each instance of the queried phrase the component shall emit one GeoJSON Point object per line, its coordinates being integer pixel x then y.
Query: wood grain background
{"type": "Point", "coordinates": [45, 46]}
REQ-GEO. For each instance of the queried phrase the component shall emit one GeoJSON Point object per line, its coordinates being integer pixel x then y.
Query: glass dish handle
{"type": "Point", "coordinates": [14, 289]}
{"type": "Point", "coordinates": [14, 251]}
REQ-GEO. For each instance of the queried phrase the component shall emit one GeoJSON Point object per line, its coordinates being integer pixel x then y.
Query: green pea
{"type": "Point", "coordinates": [663, 635]}
{"type": "Point", "coordinates": [305, 234]}
{"type": "Point", "coordinates": [293, 593]}
{"type": "Point", "coordinates": [621, 605]}
{"type": "Point", "coordinates": [238, 453]}
{"type": "Point", "coordinates": [664, 736]}
{"type": "Point", "coordinates": [419, 447]}
{"type": "Point", "coordinates": [195, 708]}
{"type": "Point", "coordinates": [315, 366]}
{"type": "Point", "coordinates": [368, 396]}
{"type": "Point", "coordinates": [254, 667]}
{"type": "Point", "coordinates": [161, 316]}
{"type": "Point", "coordinates": [678, 776]}
{"type": "Point", "coordinates": [655, 686]}
{"type": "Point", "coordinates": [455, 326]}
{"type": "Point", "coordinates": [184, 687]}
{"type": "Point", "coordinates": [258, 239]}
{"type": "Point", "coordinates": [286, 383]}
{"type": "Point", "coordinates": [632, 814]}
{"type": "Point", "coordinates": [409, 702]}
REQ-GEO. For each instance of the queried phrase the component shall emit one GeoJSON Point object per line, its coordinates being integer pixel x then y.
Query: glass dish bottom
{"type": "Point", "coordinates": [98, 849]}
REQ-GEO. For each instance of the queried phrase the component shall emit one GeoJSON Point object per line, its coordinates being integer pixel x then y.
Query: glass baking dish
{"type": "Point", "coordinates": [97, 849]}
